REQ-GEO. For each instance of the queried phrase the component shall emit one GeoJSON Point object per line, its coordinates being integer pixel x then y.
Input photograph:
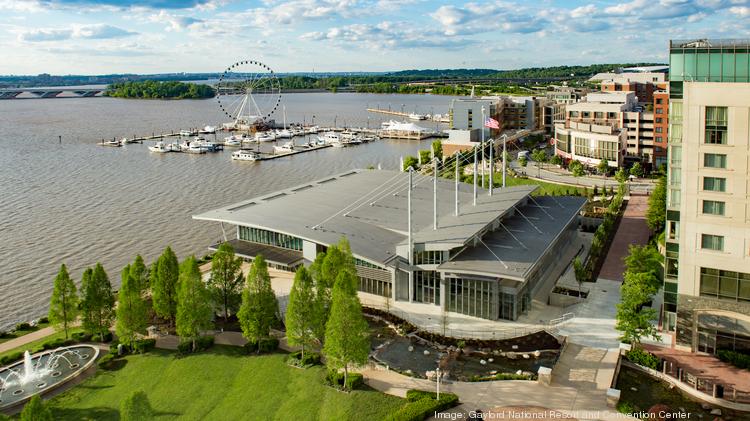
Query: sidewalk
{"type": "Point", "coordinates": [27, 338]}
{"type": "Point", "coordinates": [632, 230]}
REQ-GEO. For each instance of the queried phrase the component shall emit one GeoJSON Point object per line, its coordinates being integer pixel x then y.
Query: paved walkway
{"type": "Point", "coordinates": [632, 230]}
{"type": "Point", "coordinates": [27, 338]}
{"type": "Point", "coordinates": [594, 321]}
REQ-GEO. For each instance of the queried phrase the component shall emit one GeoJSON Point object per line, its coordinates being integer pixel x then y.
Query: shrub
{"type": "Point", "coordinates": [11, 358]}
{"type": "Point", "coordinates": [202, 343]}
{"type": "Point", "coordinates": [81, 336]}
{"type": "Point", "coordinates": [311, 359]}
{"type": "Point", "coordinates": [4, 334]}
{"type": "Point", "coordinates": [422, 405]}
{"type": "Point", "coordinates": [23, 326]}
{"type": "Point", "coordinates": [336, 379]}
{"type": "Point", "coordinates": [643, 358]}
{"type": "Point", "coordinates": [268, 345]}
{"type": "Point", "coordinates": [143, 345]}
{"type": "Point", "coordinates": [44, 320]}
{"type": "Point", "coordinates": [626, 408]}
{"type": "Point", "coordinates": [502, 376]}
{"type": "Point", "coordinates": [735, 358]}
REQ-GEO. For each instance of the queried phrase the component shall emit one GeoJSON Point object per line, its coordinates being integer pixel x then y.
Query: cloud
{"type": "Point", "coordinates": [667, 9]}
{"type": "Point", "coordinates": [175, 22]}
{"type": "Point", "coordinates": [741, 11]}
{"type": "Point", "coordinates": [474, 18]}
{"type": "Point", "coordinates": [96, 31]}
{"type": "Point", "coordinates": [386, 35]}
{"type": "Point", "coordinates": [152, 4]}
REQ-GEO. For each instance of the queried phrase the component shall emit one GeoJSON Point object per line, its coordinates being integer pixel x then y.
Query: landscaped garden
{"type": "Point", "coordinates": [222, 383]}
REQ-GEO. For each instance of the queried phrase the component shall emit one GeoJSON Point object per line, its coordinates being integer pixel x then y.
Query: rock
{"type": "Point", "coordinates": [490, 360]}
{"type": "Point", "coordinates": [537, 354]}
{"type": "Point", "coordinates": [514, 347]}
{"type": "Point", "coordinates": [634, 389]}
{"type": "Point", "coordinates": [426, 352]}
{"type": "Point", "coordinates": [706, 407]}
{"type": "Point", "coordinates": [483, 362]}
{"type": "Point", "coordinates": [408, 372]}
{"type": "Point", "coordinates": [411, 348]}
{"type": "Point", "coordinates": [526, 356]}
{"type": "Point", "coordinates": [519, 372]}
{"type": "Point", "coordinates": [493, 372]}
{"type": "Point", "coordinates": [716, 411]}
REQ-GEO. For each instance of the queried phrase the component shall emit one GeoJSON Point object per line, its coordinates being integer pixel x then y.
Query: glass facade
{"type": "Point", "coordinates": [563, 142]}
{"type": "Point", "coordinates": [472, 297]}
{"type": "Point", "coordinates": [427, 286]}
{"type": "Point", "coordinates": [433, 257]}
{"type": "Point", "coordinates": [707, 61]}
{"type": "Point", "coordinates": [375, 286]}
{"type": "Point", "coordinates": [261, 236]}
{"type": "Point", "coordinates": [599, 149]}
{"type": "Point", "coordinates": [725, 284]}
{"type": "Point", "coordinates": [366, 264]}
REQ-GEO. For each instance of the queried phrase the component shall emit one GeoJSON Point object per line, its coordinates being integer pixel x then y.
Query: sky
{"type": "Point", "coordinates": [165, 36]}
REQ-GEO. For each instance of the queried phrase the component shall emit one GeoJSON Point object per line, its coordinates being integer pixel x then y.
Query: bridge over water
{"type": "Point", "coordinates": [58, 92]}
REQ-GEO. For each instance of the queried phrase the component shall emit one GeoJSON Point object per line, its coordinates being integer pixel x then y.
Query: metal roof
{"type": "Point", "coordinates": [369, 207]}
{"type": "Point", "coordinates": [501, 255]}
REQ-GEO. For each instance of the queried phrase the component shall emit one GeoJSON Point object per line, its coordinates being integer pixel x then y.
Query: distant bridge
{"type": "Point", "coordinates": [28, 93]}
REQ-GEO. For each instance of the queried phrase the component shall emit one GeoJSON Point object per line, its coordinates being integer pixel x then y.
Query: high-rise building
{"type": "Point", "coordinates": [707, 270]}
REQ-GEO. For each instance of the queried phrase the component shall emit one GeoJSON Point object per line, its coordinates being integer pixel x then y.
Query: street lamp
{"type": "Point", "coordinates": [437, 373]}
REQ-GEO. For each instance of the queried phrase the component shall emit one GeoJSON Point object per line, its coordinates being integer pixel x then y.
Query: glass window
{"type": "Point", "coordinates": [427, 286]}
{"type": "Point", "coordinates": [714, 160]}
{"type": "Point", "coordinates": [725, 284]}
{"type": "Point", "coordinates": [713, 207]}
{"type": "Point", "coordinates": [716, 125]}
{"type": "Point", "coordinates": [659, 111]}
{"type": "Point", "coordinates": [715, 184]}
{"type": "Point", "coordinates": [712, 242]}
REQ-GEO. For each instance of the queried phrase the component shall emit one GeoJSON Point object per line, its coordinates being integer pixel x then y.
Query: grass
{"type": "Point", "coordinates": [221, 384]}
{"type": "Point", "coordinates": [18, 333]}
{"type": "Point", "coordinates": [549, 189]}
{"type": "Point", "coordinates": [36, 346]}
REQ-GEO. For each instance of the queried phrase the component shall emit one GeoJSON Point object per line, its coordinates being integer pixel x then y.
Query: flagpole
{"type": "Point", "coordinates": [484, 123]}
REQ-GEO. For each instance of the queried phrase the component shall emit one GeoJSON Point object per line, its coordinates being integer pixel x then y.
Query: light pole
{"type": "Point", "coordinates": [505, 137]}
{"type": "Point", "coordinates": [437, 374]}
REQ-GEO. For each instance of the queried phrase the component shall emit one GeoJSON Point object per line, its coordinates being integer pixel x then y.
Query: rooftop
{"type": "Point", "coordinates": [369, 207]}
{"type": "Point", "coordinates": [709, 43]}
{"type": "Point", "coordinates": [502, 255]}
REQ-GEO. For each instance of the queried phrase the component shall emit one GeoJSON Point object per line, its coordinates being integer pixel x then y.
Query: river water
{"type": "Point", "coordinates": [78, 203]}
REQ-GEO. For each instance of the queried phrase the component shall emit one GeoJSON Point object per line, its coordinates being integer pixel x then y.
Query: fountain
{"type": "Point", "coordinates": [42, 372]}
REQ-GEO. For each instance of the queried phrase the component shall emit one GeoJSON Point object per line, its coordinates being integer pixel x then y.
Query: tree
{"type": "Point", "coordinates": [579, 270]}
{"type": "Point", "coordinates": [131, 309]}
{"type": "Point", "coordinates": [136, 407]}
{"type": "Point", "coordinates": [633, 319]}
{"type": "Point", "coordinates": [347, 340]}
{"type": "Point", "coordinates": [644, 259]}
{"type": "Point", "coordinates": [656, 214]}
{"type": "Point", "coordinates": [556, 160]}
{"type": "Point", "coordinates": [194, 311]}
{"type": "Point", "coordinates": [97, 301]}
{"type": "Point", "coordinates": [259, 309]}
{"type": "Point", "coordinates": [621, 175]}
{"type": "Point", "coordinates": [36, 410]}
{"type": "Point", "coordinates": [226, 278]}
{"type": "Point", "coordinates": [437, 149]}
{"type": "Point", "coordinates": [636, 170]}
{"type": "Point", "coordinates": [522, 161]}
{"type": "Point", "coordinates": [322, 294]}
{"type": "Point", "coordinates": [603, 167]}
{"type": "Point", "coordinates": [164, 285]}
{"type": "Point", "coordinates": [411, 162]}
{"type": "Point", "coordinates": [576, 168]}
{"type": "Point", "coordinates": [540, 156]}
{"type": "Point", "coordinates": [302, 313]}
{"type": "Point", "coordinates": [63, 307]}
{"type": "Point", "coordinates": [139, 272]}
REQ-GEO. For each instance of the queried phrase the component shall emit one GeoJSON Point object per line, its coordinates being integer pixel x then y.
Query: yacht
{"type": "Point", "coordinates": [312, 130]}
{"type": "Point", "coordinates": [208, 130]}
{"type": "Point", "coordinates": [330, 137]}
{"type": "Point", "coordinates": [245, 155]}
{"type": "Point", "coordinates": [298, 131]}
{"type": "Point", "coordinates": [211, 146]}
{"type": "Point", "coordinates": [265, 136]}
{"type": "Point", "coordinates": [369, 138]}
{"type": "Point", "coordinates": [160, 147]}
{"type": "Point", "coordinates": [283, 134]}
{"type": "Point", "coordinates": [286, 147]}
{"type": "Point", "coordinates": [115, 143]}
{"type": "Point", "coordinates": [415, 116]}
{"type": "Point", "coordinates": [192, 147]}
{"type": "Point", "coordinates": [233, 140]}
{"type": "Point", "coordinates": [186, 133]}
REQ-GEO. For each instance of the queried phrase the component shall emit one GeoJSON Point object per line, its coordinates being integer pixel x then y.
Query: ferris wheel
{"type": "Point", "coordinates": [248, 92]}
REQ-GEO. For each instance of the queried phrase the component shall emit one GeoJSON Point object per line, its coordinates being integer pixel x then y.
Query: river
{"type": "Point", "coordinates": [77, 203]}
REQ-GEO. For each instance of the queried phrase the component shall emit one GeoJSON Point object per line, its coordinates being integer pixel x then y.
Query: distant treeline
{"type": "Point", "coordinates": [152, 89]}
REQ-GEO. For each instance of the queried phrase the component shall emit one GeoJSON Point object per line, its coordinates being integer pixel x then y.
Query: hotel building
{"type": "Point", "coordinates": [707, 269]}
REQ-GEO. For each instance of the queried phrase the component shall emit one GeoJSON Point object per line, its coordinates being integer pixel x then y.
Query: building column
{"type": "Point", "coordinates": [443, 293]}
{"type": "Point", "coordinates": [496, 295]}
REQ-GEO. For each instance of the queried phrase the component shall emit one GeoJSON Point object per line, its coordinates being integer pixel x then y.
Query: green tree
{"type": "Point", "coordinates": [347, 339]}
{"type": "Point", "coordinates": [259, 309]}
{"type": "Point", "coordinates": [576, 168]}
{"type": "Point", "coordinates": [522, 161]}
{"type": "Point", "coordinates": [131, 309]}
{"type": "Point", "coordinates": [636, 170]}
{"type": "Point", "coordinates": [603, 167]}
{"type": "Point", "coordinates": [136, 407]}
{"type": "Point", "coordinates": [621, 175]}
{"type": "Point", "coordinates": [36, 410]}
{"type": "Point", "coordinates": [579, 270]}
{"type": "Point", "coordinates": [97, 301]}
{"type": "Point", "coordinates": [194, 310]}
{"type": "Point", "coordinates": [437, 149]}
{"type": "Point", "coordinates": [139, 272]}
{"type": "Point", "coordinates": [656, 214]}
{"type": "Point", "coordinates": [63, 307]}
{"type": "Point", "coordinates": [411, 162]}
{"type": "Point", "coordinates": [164, 285]}
{"type": "Point", "coordinates": [644, 259]}
{"type": "Point", "coordinates": [556, 160]}
{"type": "Point", "coordinates": [540, 156]}
{"type": "Point", "coordinates": [633, 319]}
{"type": "Point", "coordinates": [322, 293]}
{"type": "Point", "coordinates": [226, 278]}
{"type": "Point", "coordinates": [302, 312]}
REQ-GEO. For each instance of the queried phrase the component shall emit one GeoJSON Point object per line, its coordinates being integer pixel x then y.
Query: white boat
{"type": "Point", "coordinates": [415, 116]}
{"type": "Point", "coordinates": [369, 138]}
{"type": "Point", "coordinates": [330, 138]}
{"type": "Point", "coordinates": [298, 131]}
{"type": "Point", "coordinates": [125, 141]}
{"type": "Point", "coordinates": [115, 143]}
{"type": "Point", "coordinates": [208, 130]}
{"type": "Point", "coordinates": [286, 147]}
{"type": "Point", "coordinates": [265, 136]}
{"type": "Point", "coordinates": [192, 147]}
{"type": "Point", "coordinates": [312, 130]}
{"type": "Point", "coordinates": [283, 134]}
{"type": "Point", "coordinates": [233, 140]}
{"type": "Point", "coordinates": [245, 155]}
{"type": "Point", "coordinates": [160, 147]}
{"type": "Point", "coordinates": [186, 133]}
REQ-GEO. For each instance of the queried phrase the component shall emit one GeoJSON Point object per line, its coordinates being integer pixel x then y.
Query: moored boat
{"type": "Point", "coordinates": [160, 147]}
{"type": "Point", "coordinates": [245, 155]}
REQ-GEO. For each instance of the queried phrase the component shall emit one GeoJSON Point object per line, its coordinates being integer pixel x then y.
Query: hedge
{"type": "Point", "coordinates": [10, 358]}
{"type": "Point", "coordinates": [336, 379]}
{"type": "Point", "coordinates": [735, 358]}
{"type": "Point", "coordinates": [422, 405]}
{"type": "Point", "coordinates": [264, 346]}
{"type": "Point", "coordinates": [202, 343]}
{"type": "Point", "coordinates": [644, 358]}
{"type": "Point", "coordinates": [502, 376]}
{"type": "Point", "coordinates": [311, 359]}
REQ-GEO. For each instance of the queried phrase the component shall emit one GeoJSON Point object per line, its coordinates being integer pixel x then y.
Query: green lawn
{"type": "Point", "coordinates": [544, 187]}
{"type": "Point", "coordinates": [221, 384]}
{"type": "Point", "coordinates": [36, 346]}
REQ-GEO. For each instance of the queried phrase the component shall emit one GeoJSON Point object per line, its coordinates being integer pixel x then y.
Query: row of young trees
{"type": "Point", "coordinates": [642, 280]}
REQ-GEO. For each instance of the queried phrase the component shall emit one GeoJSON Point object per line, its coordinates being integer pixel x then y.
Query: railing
{"type": "Point", "coordinates": [708, 43]}
{"type": "Point", "coordinates": [709, 385]}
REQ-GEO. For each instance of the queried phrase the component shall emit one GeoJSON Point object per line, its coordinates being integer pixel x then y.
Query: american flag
{"type": "Point", "coordinates": [491, 123]}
